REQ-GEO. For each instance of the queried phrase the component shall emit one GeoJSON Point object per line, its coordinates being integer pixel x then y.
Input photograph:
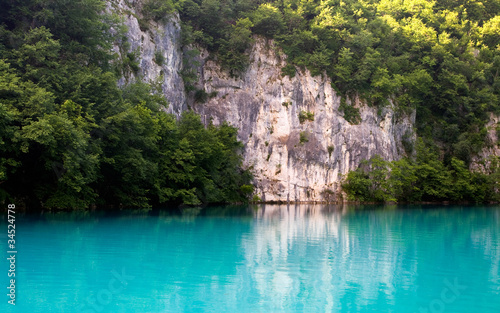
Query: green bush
{"type": "Point", "coordinates": [288, 70]}
{"type": "Point", "coordinates": [255, 198]}
{"type": "Point", "coordinates": [247, 191]}
{"type": "Point", "coordinates": [159, 58]}
{"type": "Point", "coordinates": [200, 96]}
{"type": "Point", "coordinates": [157, 10]}
{"type": "Point", "coordinates": [130, 63]}
{"type": "Point", "coordinates": [188, 72]}
{"type": "Point", "coordinates": [426, 178]}
{"type": "Point", "coordinates": [305, 116]}
{"type": "Point", "coordinates": [304, 137]}
{"type": "Point", "coordinates": [351, 114]}
{"type": "Point", "coordinates": [408, 142]}
{"type": "Point", "coordinates": [267, 20]}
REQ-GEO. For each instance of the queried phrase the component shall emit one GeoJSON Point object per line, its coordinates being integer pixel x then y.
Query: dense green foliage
{"type": "Point", "coordinates": [71, 138]}
{"type": "Point", "coordinates": [439, 58]}
{"type": "Point", "coordinates": [305, 116]}
{"type": "Point", "coordinates": [423, 179]}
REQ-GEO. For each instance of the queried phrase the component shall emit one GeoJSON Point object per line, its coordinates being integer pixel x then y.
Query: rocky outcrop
{"type": "Point", "coordinates": [157, 49]}
{"type": "Point", "coordinates": [482, 160]}
{"type": "Point", "coordinates": [292, 160]}
{"type": "Point", "coordinates": [296, 160]}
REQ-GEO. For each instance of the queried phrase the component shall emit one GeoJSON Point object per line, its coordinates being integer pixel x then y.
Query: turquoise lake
{"type": "Point", "coordinates": [264, 258]}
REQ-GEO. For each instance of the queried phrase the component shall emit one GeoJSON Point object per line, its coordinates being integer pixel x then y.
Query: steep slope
{"type": "Point", "coordinates": [482, 160]}
{"type": "Point", "coordinates": [265, 106]}
{"type": "Point", "coordinates": [292, 161]}
{"type": "Point", "coordinates": [159, 39]}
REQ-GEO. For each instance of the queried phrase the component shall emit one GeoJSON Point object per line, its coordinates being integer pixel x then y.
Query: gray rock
{"type": "Point", "coordinates": [285, 169]}
{"type": "Point", "coordinates": [163, 38]}
{"type": "Point", "coordinates": [481, 161]}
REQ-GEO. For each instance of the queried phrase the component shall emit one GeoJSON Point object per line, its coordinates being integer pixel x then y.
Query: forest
{"type": "Point", "coordinates": [70, 137]}
{"type": "Point", "coordinates": [440, 59]}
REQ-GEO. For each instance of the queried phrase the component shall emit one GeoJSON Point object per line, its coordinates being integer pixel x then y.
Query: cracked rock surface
{"type": "Point", "coordinates": [291, 160]}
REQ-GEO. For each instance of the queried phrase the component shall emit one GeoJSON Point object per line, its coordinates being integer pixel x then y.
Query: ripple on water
{"type": "Point", "coordinates": [276, 259]}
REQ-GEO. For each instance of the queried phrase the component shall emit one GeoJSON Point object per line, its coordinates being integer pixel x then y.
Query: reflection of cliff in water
{"type": "Point", "coordinates": [314, 248]}
{"type": "Point", "coordinates": [358, 256]}
{"type": "Point", "coordinates": [266, 258]}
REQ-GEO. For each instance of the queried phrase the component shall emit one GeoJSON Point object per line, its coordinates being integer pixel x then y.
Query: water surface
{"type": "Point", "coordinates": [272, 258]}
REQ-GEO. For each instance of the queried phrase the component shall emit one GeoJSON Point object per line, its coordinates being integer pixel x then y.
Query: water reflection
{"type": "Point", "coordinates": [276, 258]}
{"type": "Point", "coordinates": [361, 259]}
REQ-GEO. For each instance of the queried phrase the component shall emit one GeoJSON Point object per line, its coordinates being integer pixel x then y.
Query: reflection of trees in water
{"type": "Point", "coordinates": [309, 257]}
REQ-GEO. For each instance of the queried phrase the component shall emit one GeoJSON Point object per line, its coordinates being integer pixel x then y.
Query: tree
{"type": "Point", "coordinates": [267, 20]}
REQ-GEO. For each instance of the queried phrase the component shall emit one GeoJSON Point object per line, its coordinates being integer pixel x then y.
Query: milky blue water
{"type": "Point", "coordinates": [273, 258]}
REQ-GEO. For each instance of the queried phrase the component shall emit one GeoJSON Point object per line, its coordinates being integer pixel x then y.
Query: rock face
{"type": "Point", "coordinates": [156, 41]}
{"type": "Point", "coordinates": [482, 161]}
{"type": "Point", "coordinates": [291, 160]}
{"type": "Point", "coordinates": [265, 107]}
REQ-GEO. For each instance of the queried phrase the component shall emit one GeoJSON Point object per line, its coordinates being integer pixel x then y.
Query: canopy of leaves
{"type": "Point", "coordinates": [424, 178]}
{"type": "Point", "coordinates": [71, 138]}
{"type": "Point", "coordinates": [440, 58]}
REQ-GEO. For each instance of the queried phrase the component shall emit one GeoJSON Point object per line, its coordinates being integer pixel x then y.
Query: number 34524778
{"type": "Point", "coordinates": [11, 229]}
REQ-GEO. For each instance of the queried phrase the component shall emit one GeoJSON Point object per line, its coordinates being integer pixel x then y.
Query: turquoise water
{"type": "Point", "coordinates": [273, 258]}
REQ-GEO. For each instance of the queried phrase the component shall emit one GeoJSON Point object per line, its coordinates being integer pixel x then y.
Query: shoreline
{"type": "Point", "coordinates": [183, 207]}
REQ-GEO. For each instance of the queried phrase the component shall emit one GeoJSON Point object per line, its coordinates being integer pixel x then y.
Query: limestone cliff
{"type": "Point", "coordinates": [482, 160]}
{"type": "Point", "coordinates": [265, 107]}
{"type": "Point", "coordinates": [291, 160]}
{"type": "Point", "coordinates": [162, 39]}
